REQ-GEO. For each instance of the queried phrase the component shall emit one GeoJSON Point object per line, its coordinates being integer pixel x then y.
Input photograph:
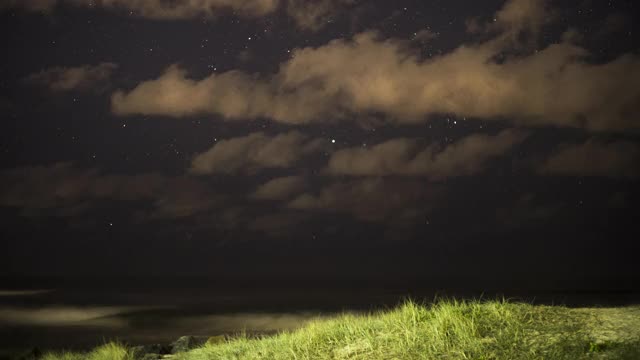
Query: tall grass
{"type": "Point", "coordinates": [110, 351]}
{"type": "Point", "coordinates": [443, 330]}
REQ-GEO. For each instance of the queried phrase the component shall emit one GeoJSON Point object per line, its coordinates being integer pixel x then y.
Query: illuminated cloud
{"type": "Point", "coordinates": [594, 158]}
{"type": "Point", "coordinates": [248, 154]}
{"type": "Point", "coordinates": [74, 78]}
{"type": "Point", "coordinates": [467, 156]}
{"type": "Point", "coordinates": [557, 85]}
{"type": "Point", "coordinates": [233, 95]}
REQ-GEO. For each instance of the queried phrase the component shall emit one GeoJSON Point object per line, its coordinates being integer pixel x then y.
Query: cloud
{"type": "Point", "coordinates": [467, 156]}
{"type": "Point", "coordinates": [233, 95]}
{"type": "Point", "coordinates": [31, 5]}
{"type": "Point", "coordinates": [530, 211]}
{"type": "Point", "coordinates": [161, 9]}
{"type": "Point", "coordinates": [557, 85]}
{"type": "Point", "coordinates": [371, 199]}
{"type": "Point", "coordinates": [520, 16]}
{"type": "Point", "coordinates": [594, 158]}
{"type": "Point", "coordinates": [308, 15]}
{"type": "Point", "coordinates": [5, 104]}
{"type": "Point", "coordinates": [313, 15]}
{"type": "Point", "coordinates": [183, 197]}
{"type": "Point", "coordinates": [74, 78]}
{"type": "Point", "coordinates": [277, 225]}
{"type": "Point", "coordinates": [612, 25]}
{"type": "Point", "coordinates": [158, 9]}
{"type": "Point", "coordinates": [66, 190]}
{"type": "Point", "coordinates": [425, 35]}
{"type": "Point", "coordinates": [279, 188]}
{"type": "Point", "coordinates": [248, 154]}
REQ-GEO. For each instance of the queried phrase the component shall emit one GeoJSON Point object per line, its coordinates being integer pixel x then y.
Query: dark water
{"type": "Point", "coordinates": [82, 318]}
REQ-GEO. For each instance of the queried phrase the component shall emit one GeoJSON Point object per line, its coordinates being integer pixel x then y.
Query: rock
{"type": "Point", "coordinates": [186, 343]}
{"type": "Point", "coordinates": [151, 357]}
{"type": "Point", "coordinates": [139, 352]}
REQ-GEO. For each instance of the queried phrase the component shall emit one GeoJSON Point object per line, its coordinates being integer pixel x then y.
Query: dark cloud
{"type": "Point", "coordinates": [594, 158]}
{"type": "Point", "coordinates": [278, 225]}
{"type": "Point", "coordinates": [613, 24]}
{"type": "Point", "coordinates": [313, 15]}
{"type": "Point", "coordinates": [66, 190]}
{"type": "Point", "coordinates": [467, 156]}
{"type": "Point", "coordinates": [425, 35]}
{"type": "Point", "coordinates": [372, 199]}
{"type": "Point", "coordinates": [308, 15]}
{"type": "Point", "coordinates": [184, 197]}
{"type": "Point", "coordinates": [31, 5]}
{"type": "Point", "coordinates": [515, 19]}
{"type": "Point", "coordinates": [5, 104]}
{"type": "Point", "coordinates": [572, 36]}
{"type": "Point", "coordinates": [253, 152]}
{"type": "Point", "coordinates": [157, 9]}
{"type": "Point", "coordinates": [92, 77]}
{"type": "Point", "coordinates": [279, 188]}
{"type": "Point", "coordinates": [530, 210]}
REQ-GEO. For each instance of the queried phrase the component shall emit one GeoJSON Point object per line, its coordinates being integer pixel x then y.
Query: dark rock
{"type": "Point", "coordinates": [151, 357]}
{"type": "Point", "coordinates": [186, 343]}
{"type": "Point", "coordinates": [139, 352]}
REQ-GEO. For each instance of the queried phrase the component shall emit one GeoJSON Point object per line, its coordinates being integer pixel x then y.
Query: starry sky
{"type": "Point", "coordinates": [291, 143]}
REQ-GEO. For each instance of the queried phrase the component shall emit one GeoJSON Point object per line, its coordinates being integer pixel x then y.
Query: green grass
{"type": "Point", "coordinates": [444, 330]}
{"type": "Point", "coordinates": [111, 351]}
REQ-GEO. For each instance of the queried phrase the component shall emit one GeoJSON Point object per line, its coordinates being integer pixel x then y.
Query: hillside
{"type": "Point", "coordinates": [444, 330]}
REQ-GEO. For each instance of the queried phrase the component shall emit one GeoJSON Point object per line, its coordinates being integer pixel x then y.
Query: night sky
{"type": "Point", "coordinates": [329, 143]}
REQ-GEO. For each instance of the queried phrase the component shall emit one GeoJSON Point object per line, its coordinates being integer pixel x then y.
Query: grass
{"type": "Point", "coordinates": [111, 351]}
{"type": "Point", "coordinates": [444, 330]}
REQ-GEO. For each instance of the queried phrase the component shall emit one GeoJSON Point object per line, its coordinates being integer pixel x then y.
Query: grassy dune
{"type": "Point", "coordinates": [444, 330]}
